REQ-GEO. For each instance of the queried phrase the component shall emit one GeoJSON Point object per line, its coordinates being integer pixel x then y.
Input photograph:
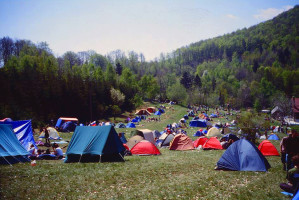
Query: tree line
{"type": "Point", "coordinates": [254, 67]}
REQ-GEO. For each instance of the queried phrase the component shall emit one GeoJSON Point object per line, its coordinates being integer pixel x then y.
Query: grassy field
{"type": "Point", "coordinates": [172, 175]}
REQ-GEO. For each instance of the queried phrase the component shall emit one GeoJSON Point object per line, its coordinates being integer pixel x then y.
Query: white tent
{"type": "Point", "coordinates": [53, 134]}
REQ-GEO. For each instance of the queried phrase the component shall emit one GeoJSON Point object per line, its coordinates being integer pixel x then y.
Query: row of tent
{"type": "Point", "coordinates": [102, 143]}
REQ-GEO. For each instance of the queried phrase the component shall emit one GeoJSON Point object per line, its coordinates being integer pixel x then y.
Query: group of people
{"type": "Point", "coordinates": [38, 154]}
{"type": "Point", "coordinates": [289, 147]}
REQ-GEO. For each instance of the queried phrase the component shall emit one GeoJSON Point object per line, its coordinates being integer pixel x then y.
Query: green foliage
{"type": "Point", "coordinates": [176, 93]}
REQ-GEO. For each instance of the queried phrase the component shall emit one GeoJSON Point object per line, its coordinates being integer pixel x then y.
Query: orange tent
{"type": "Point", "coordinates": [212, 143]}
{"type": "Point", "coordinates": [181, 142]}
{"type": "Point", "coordinates": [268, 149]}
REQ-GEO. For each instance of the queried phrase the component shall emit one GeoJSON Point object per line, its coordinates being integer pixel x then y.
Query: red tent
{"type": "Point", "coordinates": [145, 147]}
{"type": "Point", "coordinates": [212, 143]}
{"type": "Point", "coordinates": [268, 149]}
{"type": "Point", "coordinates": [181, 142]}
{"type": "Point", "coordinates": [200, 141]}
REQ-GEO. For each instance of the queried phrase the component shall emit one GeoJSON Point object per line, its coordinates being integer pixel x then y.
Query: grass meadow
{"type": "Point", "coordinates": [172, 175]}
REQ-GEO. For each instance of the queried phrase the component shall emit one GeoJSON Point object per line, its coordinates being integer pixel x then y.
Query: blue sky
{"type": "Point", "coordinates": [150, 27]}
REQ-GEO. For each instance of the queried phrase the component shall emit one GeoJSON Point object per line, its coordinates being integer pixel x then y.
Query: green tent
{"type": "Point", "coordinates": [95, 144]}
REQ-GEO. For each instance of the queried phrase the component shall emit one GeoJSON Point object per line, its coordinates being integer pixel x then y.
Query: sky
{"type": "Point", "coordinates": [150, 27]}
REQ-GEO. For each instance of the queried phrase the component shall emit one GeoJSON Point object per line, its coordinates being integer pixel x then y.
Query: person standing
{"type": "Point", "coordinates": [47, 135]}
{"type": "Point", "coordinates": [291, 147]}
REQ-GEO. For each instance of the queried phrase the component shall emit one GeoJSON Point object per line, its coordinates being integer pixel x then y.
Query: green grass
{"type": "Point", "coordinates": [172, 175]}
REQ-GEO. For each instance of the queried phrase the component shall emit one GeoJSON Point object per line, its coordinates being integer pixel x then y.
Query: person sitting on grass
{"type": "Point", "coordinates": [57, 151]}
{"type": "Point", "coordinates": [292, 181]}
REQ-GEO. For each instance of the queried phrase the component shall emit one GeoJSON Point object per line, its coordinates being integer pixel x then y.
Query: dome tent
{"type": "Point", "coordinates": [145, 147]}
{"type": "Point", "coordinates": [242, 155]}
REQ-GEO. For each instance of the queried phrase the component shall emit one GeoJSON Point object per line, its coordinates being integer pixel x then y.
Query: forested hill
{"type": "Point", "coordinates": [255, 67]}
{"type": "Point", "coordinates": [263, 44]}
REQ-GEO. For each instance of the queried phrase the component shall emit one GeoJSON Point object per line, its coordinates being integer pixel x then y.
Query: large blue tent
{"type": "Point", "coordinates": [23, 131]}
{"type": "Point", "coordinates": [69, 126]}
{"type": "Point", "coordinates": [95, 144]}
{"type": "Point", "coordinates": [198, 123]}
{"type": "Point", "coordinates": [242, 155]}
{"type": "Point", "coordinates": [11, 150]}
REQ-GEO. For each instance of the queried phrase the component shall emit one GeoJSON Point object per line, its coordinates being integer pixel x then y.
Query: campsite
{"type": "Point", "coordinates": [130, 99]}
{"type": "Point", "coordinates": [171, 175]}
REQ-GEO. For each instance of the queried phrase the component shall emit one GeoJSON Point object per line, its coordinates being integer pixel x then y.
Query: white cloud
{"type": "Point", "coordinates": [231, 16]}
{"type": "Point", "coordinates": [265, 14]}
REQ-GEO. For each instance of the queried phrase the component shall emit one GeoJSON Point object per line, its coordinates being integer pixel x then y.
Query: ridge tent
{"type": "Point", "coordinates": [212, 143]}
{"type": "Point", "coordinates": [23, 131]}
{"type": "Point", "coordinates": [62, 120]}
{"type": "Point", "coordinates": [267, 148]}
{"type": "Point", "coordinates": [273, 137]}
{"type": "Point", "coordinates": [120, 125]}
{"type": "Point", "coordinates": [164, 140]}
{"type": "Point", "coordinates": [148, 135]}
{"type": "Point", "coordinates": [53, 134]}
{"type": "Point", "coordinates": [199, 141]}
{"type": "Point", "coordinates": [145, 147]}
{"type": "Point", "coordinates": [134, 140]}
{"type": "Point", "coordinates": [11, 150]}
{"type": "Point", "coordinates": [214, 132]}
{"type": "Point", "coordinates": [130, 125]}
{"type": "Point", "coordinates": [181, 142]}
{"type": "Point", "coordinates": [142, 112]}
{"type": "Point", "coordinates": [94, 144]}
{"type": "Point", "coordinates": [242, 155]}
{"type": "Point", "coordinates": [197, 123]}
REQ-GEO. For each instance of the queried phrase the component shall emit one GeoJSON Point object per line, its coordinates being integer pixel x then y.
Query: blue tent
{"type": "Point", "coordinates": [23, 131]}
{"type": "Point", "coordinates": [273, 137]}
{"type": "Point", "coordinates": [11, 150]}
{"type": "Point", "coordinates": [296, 197]}
{"type": "Point", "coordinates": [213, 115]}
{"type": "Point", "coordinates": [198, 134]}
{"type": "Point", "coordinates": [161, 110]}
{"type": "Point", "coordinates": [186, 117]}
{"type": "Point", "coordinates": [158, 112]}
{"type": "Point", "coordinates": [69, 126]}
{"type": "Point", "coordinates": [130, 125]}
{"type": "Point", "coordinates": [134, 120]}
{"type": "Point", "coordinates": [120, 125]}
{"type": "Point", "coordinates": [242, 155]}
{"type": "Point", "coordinates": [95, 144]}
{"type": "Point", "coordinates": [198, 123]}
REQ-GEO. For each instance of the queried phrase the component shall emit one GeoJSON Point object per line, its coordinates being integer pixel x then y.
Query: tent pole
{"type": "Point", "coordinates": [100, 158]}
{"type": "Point", "coordinates": [121, 156]}
{"type": "Point", "coordinates": [80, 158]}
{"type": "Point", "coordinates": [7, 161]}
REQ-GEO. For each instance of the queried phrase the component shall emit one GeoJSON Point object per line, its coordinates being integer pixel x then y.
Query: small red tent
{"type": "Point", "coordinates": [181, 142]}
{"type": "Point", "coordinates": [145, 147]}
{"type": "Point", "coordinates": [200, 141]}
{"type": "Point", "coordinates": [212, 143]}
{"type": "Point", "coordinates": [268, 149]}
